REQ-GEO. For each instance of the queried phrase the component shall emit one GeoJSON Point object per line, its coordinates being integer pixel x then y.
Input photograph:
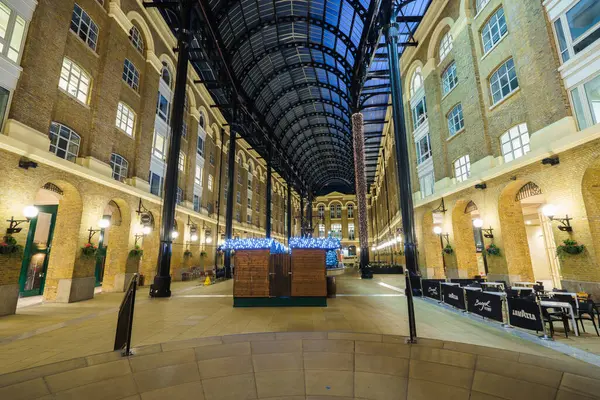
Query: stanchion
{"type": "Point", "coordinates": [545, 337]}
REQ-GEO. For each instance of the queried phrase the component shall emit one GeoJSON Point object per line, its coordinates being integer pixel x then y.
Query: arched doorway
{"type": "Point", "coordinates": [529, 246]}
{"type": "Point", "coordinates": [116, 238]}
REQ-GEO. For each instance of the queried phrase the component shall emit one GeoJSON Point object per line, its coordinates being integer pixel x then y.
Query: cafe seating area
{"type": "Point", "coordinates": [525, 305]}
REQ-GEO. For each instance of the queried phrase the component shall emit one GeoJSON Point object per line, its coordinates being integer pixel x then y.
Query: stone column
{"type": "Point", "coordinates": [361, 186]}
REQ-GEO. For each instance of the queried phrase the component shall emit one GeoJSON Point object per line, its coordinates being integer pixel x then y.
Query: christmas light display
{"type": "Point", "coordinates": [328, 243]}
{"type": "Point", "coordinates": [331, 259]}
{"type": "Point", "coordinates": [254, 244]}
{"type": "Point", "coordinates": [361, 180]}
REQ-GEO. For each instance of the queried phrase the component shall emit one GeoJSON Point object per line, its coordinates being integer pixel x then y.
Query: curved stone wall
{"type": "Point", "coordinates": [307, 365]}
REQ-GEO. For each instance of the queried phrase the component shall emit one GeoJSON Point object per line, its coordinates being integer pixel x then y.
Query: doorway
{"type": "Point", "coordinates": [37, 251]}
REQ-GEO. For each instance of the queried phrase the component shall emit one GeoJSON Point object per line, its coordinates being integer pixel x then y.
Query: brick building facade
{"type": "Point", "coordinates": [88, 101]}
{"type": "Point", "coordinates": [500, 100]}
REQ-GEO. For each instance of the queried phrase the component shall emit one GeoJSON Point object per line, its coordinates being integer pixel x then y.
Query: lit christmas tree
{"type": "Point", "coordinates": [331, 259]}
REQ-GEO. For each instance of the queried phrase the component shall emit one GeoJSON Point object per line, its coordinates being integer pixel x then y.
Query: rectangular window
{"type": "Point", "coordinates": [449, 79]}
{"type": "Point", "coordinates": [210, 183]}
{"type": "Point", "coordinates": [249, 203]}
{"type": "Point", "coordinates": [249, 218]}
{"type": "Point", "coordinates": [125, 118]}
{"type": "Point", "coordinates": [494, 30]}
{"type": "Point", "coordinates": [184, 129]}
{"type": "Point", "coordinates": [456, 121]}
{"type": "Point", "coordinates": [196, 203]}
{"type": "Point", "coordinates": [198, 176]}
{"type": "Point", "coordinates": [336, 231]}
{"type": "Point", "coordinates": [592, 92]}
{"type": "Point", "coordinates": [181, 162]}
{"type": "Point", "coordinates": [64, 142]}
{"type": "Point", "coordinates": [321, 230]}
{"type": "Point", "coordinates": [84, 27]}
{"type": "Point", "coordinates": [586, 103]}
{"type": "Point", "coordinates": [209, 208]}
{"type": "Point", "coordinates": [162, 108]}
{"type": "Point", "coordinates": [419, 113]}
{"type": "Point", "coordinates": [156, 183]}
{"type": "Point", "coordinates": [119, 167]}
{"type": "Point", "coordinates": [503, 81]}
{"type": "Point", "coordinates": [515, 142]}
{"type": "Point", "coordinates": [462, 168]}
{"type": "Point", "coordinates": [212, 158]}
{"type": "Point", "coordinates": [423, 149]}
{"type": "Point", "coordinates": [238, 197]}
{"type": "Point", "coordinates": [583, 20]}
{"type": "Point", "coordinates": [131, 75]}
{"type": "Point", "coordinates": [158, 147]}
{"type": "Point", "coordinates": [427, 183]}
{"type": "Point", "coordinates": [74, 80]}
{"type": "Point", "coordinates": [350, 231]}
{"type": "Point", "coordinates": [4, 95]}
{"type": "Point", "coordinates": [200, 146]}
{"type": "Point", "coordinates": [16, 39]}
{"type": "Point", "coordinates": [179, 198]}
{"type": "Point", "coordinates": [350, 210]}
{"type": "Point", "coordinates": [562, 41]}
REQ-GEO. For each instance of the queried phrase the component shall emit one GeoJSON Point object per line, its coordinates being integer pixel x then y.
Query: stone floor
{"type": "Point", "coordinates": [48, 333]}
{"type": "Point", "coordinates": [307, 366]}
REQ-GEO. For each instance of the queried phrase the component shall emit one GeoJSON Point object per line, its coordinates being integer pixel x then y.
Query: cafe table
{"type": "Point", "coordinates": [563, 305]}
{"type": "Point", "coordinates": [525, 284]}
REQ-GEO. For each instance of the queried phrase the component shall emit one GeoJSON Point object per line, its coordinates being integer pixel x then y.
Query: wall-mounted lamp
{"type": "Point", "coordinates": [437, 230]}
{"type": "Point", "coordinates": [551, 161]}
{"type": "Point", "coordinates": [481, 186]}
{"type": "Point", "coordinates": [549, 210]}
{"type": "Point", "coordinates": [441, 208]}
{"type": "Point", "coordinates": [102, 224]}
{"type": "Point", "coordinates": [29, 213]}
{"type": "Point", "coordinates": [487, 233]}
{"type": "Point", "coordinates": [174, 235]}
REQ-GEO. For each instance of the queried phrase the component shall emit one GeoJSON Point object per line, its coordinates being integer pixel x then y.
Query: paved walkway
{"type": "Point", "coordinates": [47, 333]}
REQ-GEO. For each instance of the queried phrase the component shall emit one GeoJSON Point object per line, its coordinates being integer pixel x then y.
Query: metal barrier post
{"type": "Point", "coordinates": [125, 319]}
{"type": "Point", "coordinates": [545, 337]}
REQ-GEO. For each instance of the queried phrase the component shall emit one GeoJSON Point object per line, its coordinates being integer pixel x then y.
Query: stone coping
{"type": "Point", "coordinates": [307, 366]}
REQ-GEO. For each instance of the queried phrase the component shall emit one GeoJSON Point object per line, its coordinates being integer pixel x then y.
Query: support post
{"type": "Point", "coordinates": [309, 214]}
{"type": "Point", "coordinates": [289, 213]}
{"type": "Point", "coordinates": [361, 186]}
{"type": "Point", "coordinates": [302, 215]}
{"type": "Point", "coordinates": [230, 180]}
{"type": "Point", "coordinates": [387, 200]}
{"type": "Point", "coordinates": [403, 166]}
{"type": "Point", "coordinates": [269, 194]}
{"type": "Point", "coordinates": [376, 239]}
{"type": "Point", "coordinates": [161, 287]}
{"type": "Point", "coordinates": [219, 196]}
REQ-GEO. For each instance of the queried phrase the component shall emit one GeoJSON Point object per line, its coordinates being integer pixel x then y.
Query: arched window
{"type": "Point", "coordinates": [202, 123]}
{"type": "Point", "coordinates": [64, 142]}
{"type": "Point", "coordinates": [119, 167]}
{"type": "Point", "coordinates": [445, 45]}
{"type": "Point", "coordinates": [135, 36]}
{"type": "Point", "coordinates": [84, 27]}
{"type": "Point", "coordinates": [166, 74]}
{"type": "Point", "coordinates": [74, 80]}
{"type": "Point", "coordinates": [131, 75]}
{"type": "Point", "coordinates": [416, 82]}
{"type": "Point", "coordinates": [515, 142]}
{"type": "Point", "coordinates": [125, 118]}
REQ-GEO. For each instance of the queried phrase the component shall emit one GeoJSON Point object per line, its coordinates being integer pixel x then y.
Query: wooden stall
{"type": "Point", "coordinates": [251, 273]}
{"type": "Point", "coordinates": [308, 276]}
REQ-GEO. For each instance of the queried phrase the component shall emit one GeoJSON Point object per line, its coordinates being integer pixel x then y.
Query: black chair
{"type": "Point", "coordinates": [512, 292]}
{"type": "Point", "coordinates": [567, 298]}
{"type": "Point", "coordinates": [585, 311]}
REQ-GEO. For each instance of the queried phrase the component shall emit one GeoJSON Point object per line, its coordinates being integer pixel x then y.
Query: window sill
{"type": "Point", "coordinates": [87, 46]}
{"type": "Point", "coordinates": [494, 46]}
{"type": "Point", "coordinates": [125, 133]}
{"type": "Point", "coordinates": [508, 96]}
{"type": "Point", "coordinates": [455, 135]}
{"type": "Point", "coordinates": [73, 98]}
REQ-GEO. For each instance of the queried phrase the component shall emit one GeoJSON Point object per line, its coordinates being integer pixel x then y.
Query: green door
{"type": "Point", "coordinates": [37, 251]}
{"type": "Point", "coordinates": [100, 258]}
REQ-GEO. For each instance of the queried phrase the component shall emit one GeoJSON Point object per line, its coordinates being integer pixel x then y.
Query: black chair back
{"type": "Point", "coordinates": [566, 298]}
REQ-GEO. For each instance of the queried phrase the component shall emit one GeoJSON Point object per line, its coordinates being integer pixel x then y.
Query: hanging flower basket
{"type": "Point", "coordinates": [187, 254]}
{"type": "Point", "coordinates": [203, 254]}
{"type": "Point", "coordinates": [569, 247]}
{"type": "Point", "coordinates": [448, 249]}
{"type": "Point", "coordinates": [9, 246]}
{"type": "Point", "coordinates": [136, 252]}
{"type": "Point", "coordinates": [493, 250]}
{"type": "Point", "coordinates": [89, 250]}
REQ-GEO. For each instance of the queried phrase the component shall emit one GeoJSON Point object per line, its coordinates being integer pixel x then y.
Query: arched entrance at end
{"type": "Point", "coordinates": [464, 242]}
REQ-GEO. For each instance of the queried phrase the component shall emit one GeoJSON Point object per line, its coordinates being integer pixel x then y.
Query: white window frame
{"type": "Point", "coordinates": [449, 79]}
{"type": "Point", "coordinates": [351, 231]}
{"type": "Point", "coordinates": [64, 140]}
{"type": "Point", "coordinates": [562, 22]}
{"type": "Point", "coordinates": [336, 230]}
{"type": "Point", "coordinates": [181, 161]}
{"type": "Point", "coordinates": [136, 39]}
{"type": "Point", "coordinates": [210, 183]}
{"type": "Point", "coordinates": [88, 32]}
{"type": "Point", "coordinates": [198, 176]}
{"type": "Point", "coordinates": [423, 157]}
{"type": "Point", "coordinates": [446, 44]}
{"type": "Point", "coordinates": [425, 189]}
{"type": "Point", "coordinates": [581, 103]}
{"type": "Point", "coordinates": [500, 75]}
{"type": "Point", "coordinates": [419, 120]}
{"type": "Point", "coordinates": [11, 42]}
{"type": "Point", "coordinates": [160, 153]}
{"type": "Point", "coordinates": [514, 143]}
{"type": "Point", "coordinates": [491, 32]}
{"type": "Point", "coordinates": [75, 81]}
{"type": "Point", "coordinates": [125, 121]}
{"type": "Point", "coordinates": [119, 166]}
{"type": "Point", "coordinates": [131, 75]}
{"type": "Point", "coordinates": [456, 120]}
{"type": "Point", "coordinates": [462, 168]}
{"type": "Point", "coordinates": [321, 230]}
{"type": "Point", "coordinates": [416, 81]}
{"type": "Point", "coordinates": [164, 115]}
{"type": "Point", "coordinates": [480, 5]}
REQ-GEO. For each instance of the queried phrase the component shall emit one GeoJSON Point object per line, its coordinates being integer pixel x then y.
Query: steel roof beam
{"type": "Point", "coordinates": [324, 114]}
{"type": "Point", "coordinates": [309, 101]}
{"type": "Point", "coordinates": [303, 85]}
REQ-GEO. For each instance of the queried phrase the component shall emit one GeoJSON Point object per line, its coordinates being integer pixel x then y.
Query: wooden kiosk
{"type": "Point", "coordinates": [267, 275]}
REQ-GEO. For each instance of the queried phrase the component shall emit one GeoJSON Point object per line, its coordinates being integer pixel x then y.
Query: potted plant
{"type": "Point", "coordinates": [448, 249]}
{"type": "Point", "coordinates": [493, 250]}
{"type": "Point", "coordinates": [136, 252]}
{"type": "Point", "coordinates": [187, 253]}
{"type": "Point", "coordinates": [10, 246]}
{"type": "Point", "coordinates": [89, 250]}
{"type": "Point", "coordinates": [569, 247]}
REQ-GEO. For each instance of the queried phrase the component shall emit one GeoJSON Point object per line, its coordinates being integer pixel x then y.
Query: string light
{"type": "Point", "coordinates": [254, 244]}
{"type": "Point", "coordinates": [360, 178]}
{"type": "Point", "coordinates": [328, 243]}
